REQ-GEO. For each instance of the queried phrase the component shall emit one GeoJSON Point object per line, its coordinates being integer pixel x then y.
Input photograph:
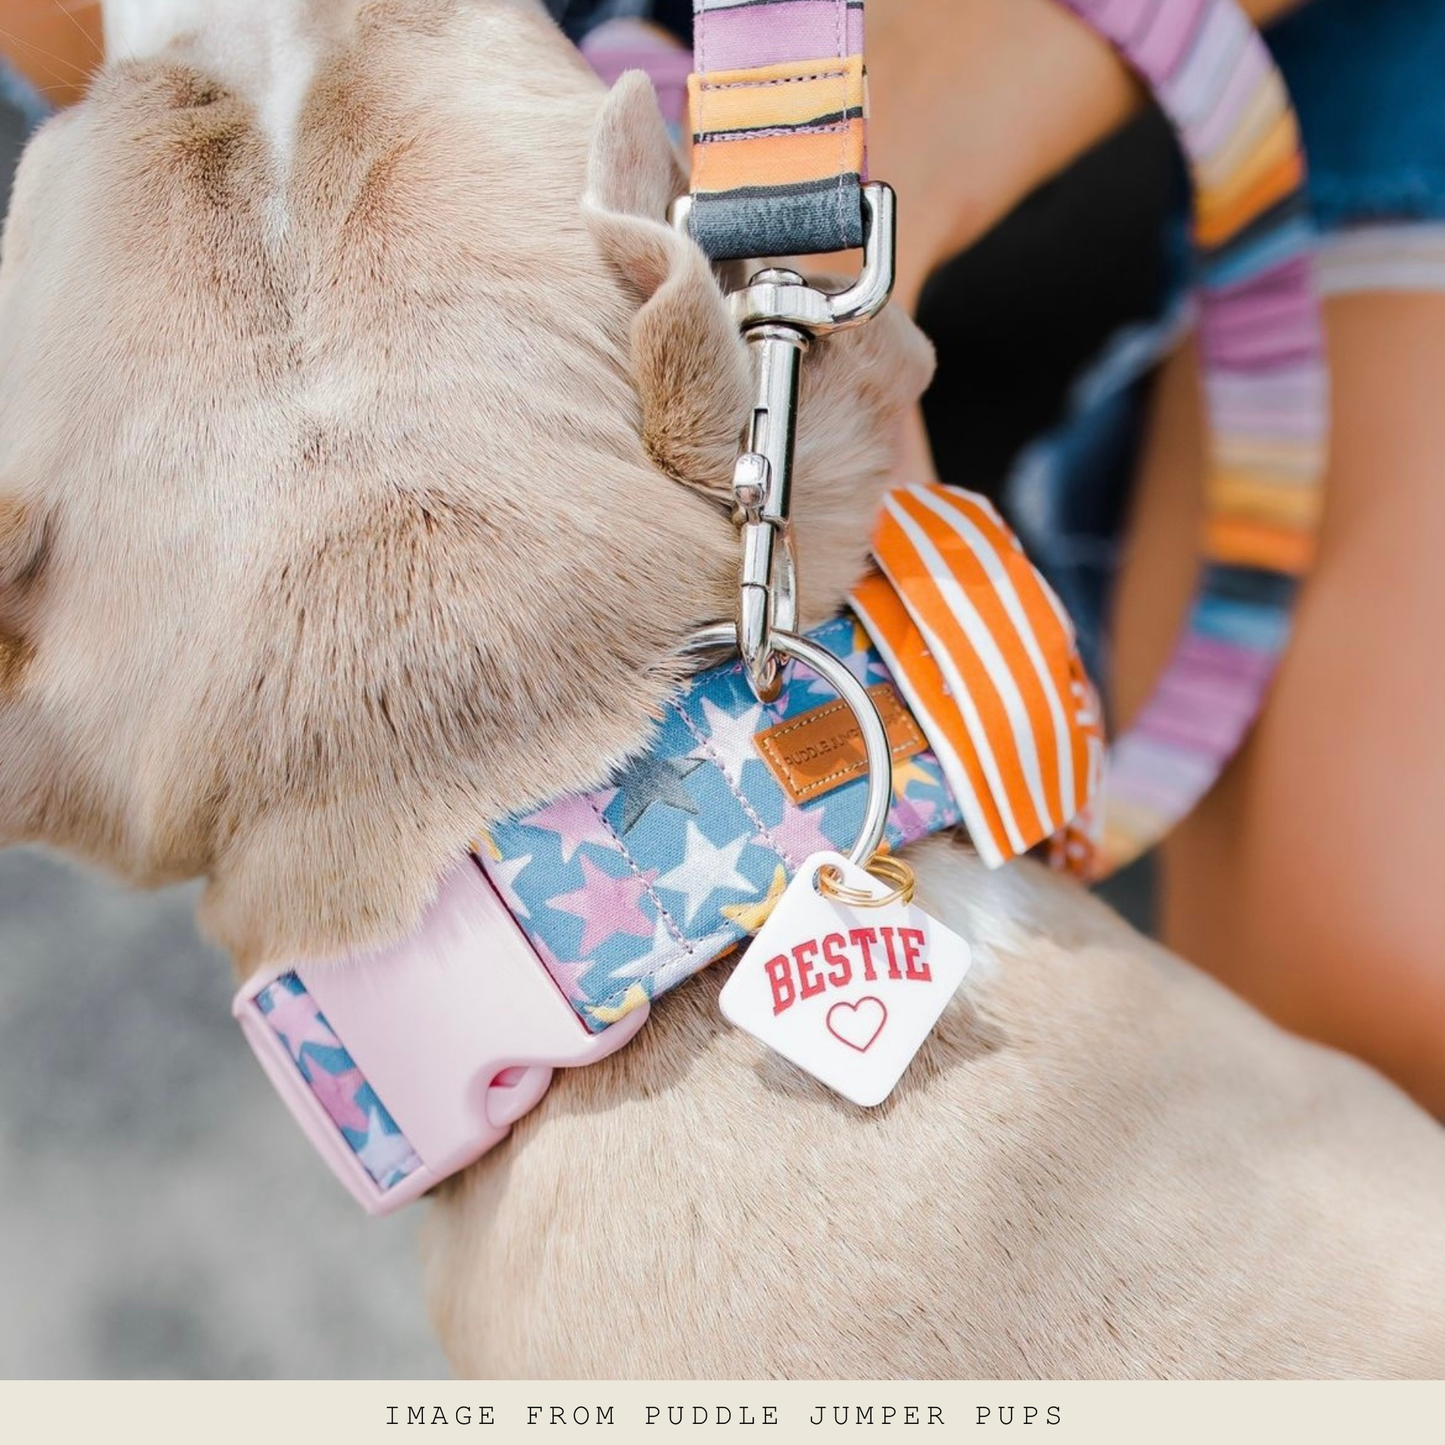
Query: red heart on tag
{"type": "Point", "coordinates": [857, 1024]}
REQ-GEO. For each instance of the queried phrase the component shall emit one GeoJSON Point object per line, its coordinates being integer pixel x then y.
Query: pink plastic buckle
{"type": "Point", "coordinates": [457, 1029]}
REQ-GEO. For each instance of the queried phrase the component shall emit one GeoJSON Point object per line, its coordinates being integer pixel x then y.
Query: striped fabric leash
{"type": "Point", "coordinates": [979, 644]}
{"type": "Point", "coordinates": [1266, 390]}
{"type": "Point", "coordinates": [778, 103]}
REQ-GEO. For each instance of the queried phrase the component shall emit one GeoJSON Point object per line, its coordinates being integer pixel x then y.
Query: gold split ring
{"type": "Point", "coordinates": [882, 866]}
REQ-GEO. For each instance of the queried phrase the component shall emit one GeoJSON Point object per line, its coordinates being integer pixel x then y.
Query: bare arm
{"type": "Point", "coordinates": [976, 102]}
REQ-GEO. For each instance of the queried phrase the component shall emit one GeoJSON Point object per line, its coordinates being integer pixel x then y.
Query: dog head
{"type": "Point", "coordinates": [362, 470]}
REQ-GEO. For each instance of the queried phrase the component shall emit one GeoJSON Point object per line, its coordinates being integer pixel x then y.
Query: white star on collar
{"type": "Point", "coordinates": [731, 738]}
{"type": "Point", "coordinates": [383, 1153]}
{"type": "Point", "coordinates": [705, 869]}
{"type": "Point", "coordinates": [504, 873]}
{"type": "Point", "coordinates": [664, 942]}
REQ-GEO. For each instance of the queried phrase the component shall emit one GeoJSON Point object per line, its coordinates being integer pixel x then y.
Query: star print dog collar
{"type": "Point", "coordinates": [405, 1065]}
{"type": "Point", "coordinates": [546, 949]}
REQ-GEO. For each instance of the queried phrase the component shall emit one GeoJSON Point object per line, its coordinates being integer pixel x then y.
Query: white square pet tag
{"type": "Point", "coordinates": [848, 993]}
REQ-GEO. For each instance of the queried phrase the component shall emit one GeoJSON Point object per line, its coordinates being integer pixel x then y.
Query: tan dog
{"type": "Point", "coordinates": [366, 434]}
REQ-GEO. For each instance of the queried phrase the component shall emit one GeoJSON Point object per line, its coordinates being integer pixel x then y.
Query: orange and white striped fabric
{"type": "Point", "coordinates": [986, 657]}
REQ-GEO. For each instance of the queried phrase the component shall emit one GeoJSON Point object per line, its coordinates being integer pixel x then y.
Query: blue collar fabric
{"type": "Point", "coordinates": [627, 891]}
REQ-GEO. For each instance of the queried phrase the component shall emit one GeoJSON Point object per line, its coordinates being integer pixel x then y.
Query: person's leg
{"type": "Point", "coordinates": [1311, 879]}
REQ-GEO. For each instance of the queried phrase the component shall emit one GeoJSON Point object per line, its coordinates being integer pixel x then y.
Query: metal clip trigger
{"type": "Point", "coordinates": [780, 315]}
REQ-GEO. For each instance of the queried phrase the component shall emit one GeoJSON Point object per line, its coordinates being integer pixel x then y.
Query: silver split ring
{"type": "Point", "coordinates": [724, 637]}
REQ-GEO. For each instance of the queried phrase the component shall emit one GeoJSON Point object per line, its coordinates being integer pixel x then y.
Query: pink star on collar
{"type": "Point", "coordinates": [295, 1018]}
{"type": "Point", "coordinates": [337, 1095]}
{"type": "Point", "coordinates": [800, 834]}
{"type": "Point", "coordinates": [574, 820]}
{"type": "Point", "coordinates": [607, 905]}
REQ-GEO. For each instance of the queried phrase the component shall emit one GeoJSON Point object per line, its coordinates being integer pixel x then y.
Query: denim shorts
{"type": "Point", "coordinates": [1368, 81]}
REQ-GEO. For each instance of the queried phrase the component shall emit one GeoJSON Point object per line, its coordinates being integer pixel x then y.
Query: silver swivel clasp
{"type": "Point", "coordinates": [780, 316]}
{"type": "Point", "coordinates": [762, 491]}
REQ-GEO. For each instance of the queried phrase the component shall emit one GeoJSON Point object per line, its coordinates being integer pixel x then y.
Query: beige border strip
{"type": "Point", "coordinates": [357, 1413]}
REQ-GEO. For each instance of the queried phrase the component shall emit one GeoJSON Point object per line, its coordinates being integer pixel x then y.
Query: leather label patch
{"type": "Point", "coordinates": [822, 749]}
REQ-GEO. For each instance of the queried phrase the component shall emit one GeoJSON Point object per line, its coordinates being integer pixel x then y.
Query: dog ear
{"type": "Point", "coordinates": [633, 172]}
{"type": "Point", "coordinates": [691, 368]}
{"type": "Point", "coordinates": [22, 539]}
{"type": "Point", "coordinates": [689, 363]}
{"type": "Point", "coordinates": [41, 792]}
{"type": "Point", "coordinates": [24, 535]}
